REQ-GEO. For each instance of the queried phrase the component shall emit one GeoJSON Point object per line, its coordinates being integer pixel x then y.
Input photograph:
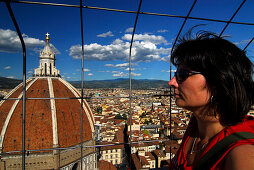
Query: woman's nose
{"type": "Point", "coordinates": [173, 82]}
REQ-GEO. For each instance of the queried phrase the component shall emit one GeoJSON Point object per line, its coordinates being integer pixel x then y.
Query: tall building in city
{"type": "Point", "coordinates": [52, 122]}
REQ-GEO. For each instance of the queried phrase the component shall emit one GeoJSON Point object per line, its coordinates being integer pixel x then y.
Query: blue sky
{"type": "Point", "coordinates": [107, 35]}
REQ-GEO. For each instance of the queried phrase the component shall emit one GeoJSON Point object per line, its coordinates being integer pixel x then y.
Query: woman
{"type": "Point", "coordinates": [214, 81]}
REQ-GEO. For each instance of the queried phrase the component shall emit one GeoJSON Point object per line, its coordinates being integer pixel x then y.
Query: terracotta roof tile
{"type": "Point", "coordinates": [104, 165]}
{"type": "Point", "coordinates": [39, 126]}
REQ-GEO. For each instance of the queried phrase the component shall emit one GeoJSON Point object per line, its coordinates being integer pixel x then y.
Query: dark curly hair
{"type": "Point", "coordinates": [227, 70]}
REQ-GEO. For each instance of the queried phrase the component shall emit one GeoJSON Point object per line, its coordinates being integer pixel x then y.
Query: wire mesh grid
{"type": "Point", "coordinates": [137, 12]}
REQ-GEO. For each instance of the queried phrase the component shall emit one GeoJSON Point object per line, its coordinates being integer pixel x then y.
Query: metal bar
{"type": "Point", "coordinates": [82, 84]}
{"type": "Point", "coordinates": [91, 146]}
{"type": "Point", "coordinates": [248, 44]}
{"type": "Point", "coordinates": [222, 21]}
{"type": "Point", "coordinates": [232, 18]}
{"type": "Point", "coordinates": [108, 97]}
{"type": "Point", "coordinates": [170, 114]}
{"type": "Point", "coordinates": [130, 94]}
{"type": "Point", "coordinates": [182, 27]}
{"type": "Point", "coordinates": [42, 3]}
{"type": "Point", "coordinates": [130, 90]}
{"type": "Point", "coordinates": [24, 82]}
{"type": "Point", "coordinates": [128, 11]}
{"type": "Point", "coordinates": [170, 101]}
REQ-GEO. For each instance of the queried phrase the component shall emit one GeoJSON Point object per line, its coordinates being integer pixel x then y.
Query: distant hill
{"type": "Point", "coordinates": [123, 83]}
{"type": "Point", "coordinates": [7, 83]}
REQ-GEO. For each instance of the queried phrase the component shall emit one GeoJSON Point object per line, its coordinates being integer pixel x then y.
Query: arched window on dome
{"type": "Point", "coordinates": [45, 69]}
{"type": "Point", "coordinates": [75, 166]}
{"type": "Point", "coordinates": [50, 69]}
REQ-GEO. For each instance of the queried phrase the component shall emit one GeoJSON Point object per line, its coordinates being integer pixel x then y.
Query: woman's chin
{"type": "Point", "coordinates": [180, 103]}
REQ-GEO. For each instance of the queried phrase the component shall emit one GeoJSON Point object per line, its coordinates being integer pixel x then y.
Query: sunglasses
{"type": "Point", "coordinates": [182, 75]}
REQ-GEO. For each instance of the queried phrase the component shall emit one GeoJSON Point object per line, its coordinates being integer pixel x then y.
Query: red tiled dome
{"type": "Point", "coordinates": [50, 122]}
{"type": "Point", "coordinates": [52, 118]}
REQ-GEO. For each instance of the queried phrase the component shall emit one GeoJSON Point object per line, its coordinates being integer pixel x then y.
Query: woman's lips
{"type": "Point", "coordinates": [177, 95]}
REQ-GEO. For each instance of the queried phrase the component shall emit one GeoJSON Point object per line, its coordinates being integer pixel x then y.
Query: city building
{"type": "Point", "coordinates": [112, 153]}
{"type": "Point", "coordinates": [143, 160]}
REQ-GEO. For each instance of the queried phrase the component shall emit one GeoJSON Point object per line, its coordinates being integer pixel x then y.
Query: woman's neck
{"type": "Point", "coordinates": [208, 124]}
{"type": "Point", "coordinates": [209, 127]}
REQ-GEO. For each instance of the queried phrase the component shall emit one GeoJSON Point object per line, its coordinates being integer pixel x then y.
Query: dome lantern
{"type": "Point", "coordinates": [47, 62]}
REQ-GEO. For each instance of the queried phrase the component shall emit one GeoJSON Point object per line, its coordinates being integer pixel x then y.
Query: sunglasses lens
{"type": "Point", "coordinates": [181, 75]}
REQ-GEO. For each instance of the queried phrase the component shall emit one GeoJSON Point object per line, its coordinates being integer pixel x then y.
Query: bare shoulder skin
{"type": "Point", "coordinates": [241, 157]}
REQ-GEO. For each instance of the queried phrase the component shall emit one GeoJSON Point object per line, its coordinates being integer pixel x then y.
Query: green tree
{"type": "Point", "coordinates": [146, 132]}
{"type": "Point", "coordinates": [146, 122]}
{"type": "Point", "coordinates": [99, 109]}
{"type": "Point", "coordinates": [118, 116]}
{"type": "Point", "coordinates": [124, 116]}
{"type": "Point", "coordinates": [143, 114]}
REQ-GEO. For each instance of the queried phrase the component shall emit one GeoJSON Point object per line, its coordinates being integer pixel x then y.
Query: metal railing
{"type": "Point", "coordinates": [81, 6]}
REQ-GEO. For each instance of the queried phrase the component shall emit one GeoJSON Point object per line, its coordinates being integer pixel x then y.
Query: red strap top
{"type": "Point", "coordinates": [180, 161]}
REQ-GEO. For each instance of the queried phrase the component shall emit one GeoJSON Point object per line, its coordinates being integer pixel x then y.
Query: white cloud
{"type": "Point", "coordinates": [166, 59]}
{"type": "Point", "coordinates": [120, 74]}
{"type": "Point", "coordinates": [146, 37]}
{"type": "Point", "coordinates": [145, 48]}
{"type": "Point", "coordinates": [119, 65]}
{"type": "Point", "coordinates": [242, 42]}
{"type": "Point", "coordinates": [132, 69]}
{"type": "Point", "coordinates": [86, 70]}
{"type": "Point", "coordinates": [109, 65]}
{"type": "Point", "coordinates": [7, 67]}
{"type": "Point", "coordinates": [11, 77]}
{"type": "Point", "coordinates": [135, 74]}
{"type": "Point", "coordinates": [168, 71]}
{"type": "Point", "coordinates": [107, 34]}
{"type": "Point", "coordinates": [122, 65]}
{"type": "Point", "coordinates": [104, 71]}
{"type": "Point", "coordinates": [129, 29]}
{"type": "Point", "coordinates": [117, 41]}
{"type": "Point", "coordinates": [10, 42]}
{"type": "Point", "coordinates": [162, 31]}
{"type": "Point", "coordinates": [90, 74]}
{"type": "Point", "coordinates": [100, 52]}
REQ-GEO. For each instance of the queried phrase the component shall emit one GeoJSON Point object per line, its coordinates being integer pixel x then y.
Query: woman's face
{"type": "Point", "coordinates": [192, 93]}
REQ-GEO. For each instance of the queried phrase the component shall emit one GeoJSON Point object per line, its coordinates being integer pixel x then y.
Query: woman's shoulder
{"type": "Point", "coordinates": [240, 157]}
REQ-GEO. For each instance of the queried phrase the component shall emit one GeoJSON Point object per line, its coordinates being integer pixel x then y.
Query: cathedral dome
{"type": "Point", "coordinates": [49, 122]}
{"type": "Point", "coordinates": [52, 117]}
